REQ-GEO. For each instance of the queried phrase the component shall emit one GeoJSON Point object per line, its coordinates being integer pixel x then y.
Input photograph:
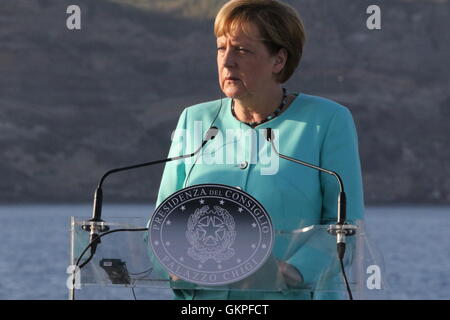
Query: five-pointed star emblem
{"type": "Point", "coordinates": [211, 230]}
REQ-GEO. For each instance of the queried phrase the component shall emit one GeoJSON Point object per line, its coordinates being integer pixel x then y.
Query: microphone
{"type": "Point", "coordinates": [96, 223]}
{"type": "Point", "coordinates": [340, 229]}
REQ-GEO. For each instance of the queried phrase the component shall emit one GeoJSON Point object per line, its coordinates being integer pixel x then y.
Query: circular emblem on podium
{"type": "Point", "coordinates": [211, 234]}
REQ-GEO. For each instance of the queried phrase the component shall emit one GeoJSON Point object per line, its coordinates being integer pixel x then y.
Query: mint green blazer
{"type": "Point", "coordinates": [312, 129]}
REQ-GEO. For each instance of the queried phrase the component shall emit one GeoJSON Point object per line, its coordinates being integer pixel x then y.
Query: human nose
{"type": "Point", "coordinates": [228, 59]}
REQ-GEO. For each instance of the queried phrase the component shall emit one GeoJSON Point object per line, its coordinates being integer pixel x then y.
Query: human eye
{"type": "Point", "coordinates": [242, 49]}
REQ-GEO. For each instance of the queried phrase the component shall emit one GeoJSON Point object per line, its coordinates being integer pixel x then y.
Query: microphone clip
{"type": "Point", "coordinates": [342, 230]}
{"type": "Point", "coordinates": [95, 226]}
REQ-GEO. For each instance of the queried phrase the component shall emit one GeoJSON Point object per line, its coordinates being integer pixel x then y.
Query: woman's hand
{"type": "Point", "coordinates": [173, 277]}
{"type": "Point", "coordinates": [292, 276]}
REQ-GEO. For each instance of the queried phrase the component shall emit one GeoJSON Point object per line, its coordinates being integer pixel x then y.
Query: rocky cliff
{"type": "Point", "coordinates": [76, 103]}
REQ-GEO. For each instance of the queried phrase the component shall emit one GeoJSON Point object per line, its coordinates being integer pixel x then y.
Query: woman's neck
{"type": "Point", "coordinates": [257, 108]}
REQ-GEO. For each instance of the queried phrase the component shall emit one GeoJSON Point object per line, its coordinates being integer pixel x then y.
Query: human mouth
{"type": "Point", "coordinates": [231, 79]}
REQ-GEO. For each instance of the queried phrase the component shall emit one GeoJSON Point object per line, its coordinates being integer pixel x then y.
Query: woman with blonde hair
{"type": "Point", "coordinates": [259, 46]}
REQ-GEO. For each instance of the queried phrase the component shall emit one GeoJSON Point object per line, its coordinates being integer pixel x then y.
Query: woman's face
{"type": "Point", "coordinates": [246, 68]}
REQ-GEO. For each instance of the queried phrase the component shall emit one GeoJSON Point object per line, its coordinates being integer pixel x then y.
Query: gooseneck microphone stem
{"type": "Point", "coordinates": [98, 196]}
{"type": "Point", "coordinates": [146, 164]}
{"type": "Point", "coordinates": [340, 229]}
{"type": "Point", "coordinates": [342, 203]}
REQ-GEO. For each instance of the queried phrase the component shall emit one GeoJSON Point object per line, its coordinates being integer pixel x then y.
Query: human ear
{"type": "Point", "coordinates": [280, 60]}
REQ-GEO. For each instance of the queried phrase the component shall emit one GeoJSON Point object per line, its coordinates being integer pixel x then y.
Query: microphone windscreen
{"type": "Point", "coordinates": [268, 134]}
{"type": "Point", "coordinates": [211, 133]}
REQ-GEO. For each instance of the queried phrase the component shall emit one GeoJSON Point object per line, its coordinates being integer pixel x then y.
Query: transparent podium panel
{"type": "Point", "coordinates": [303, 263]}
{"type": "Point", "coordinates": [312, 252]}
{"type": "Point", "coordinates": [121, 256]}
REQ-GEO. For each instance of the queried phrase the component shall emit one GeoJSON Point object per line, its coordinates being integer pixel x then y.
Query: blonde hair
{"type": "Point", "coordinates": [278, 23]}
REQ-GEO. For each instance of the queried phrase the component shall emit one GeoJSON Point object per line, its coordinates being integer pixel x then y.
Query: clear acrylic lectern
{"type": "Point", "coordinates": [124, 259]}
